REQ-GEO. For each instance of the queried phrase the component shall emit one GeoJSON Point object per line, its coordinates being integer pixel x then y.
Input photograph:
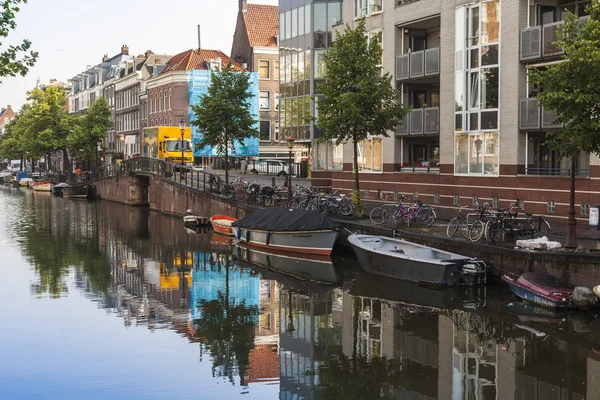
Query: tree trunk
{"type": "Point", "coordinates": [355, 168]}
{"type": "Point", "coordinates": [22, 161]}
{"type": "Point", "coordinates": [571, 221]}
{"type": "Point", "coordinates": [66, 164]}
{"type": "Point", "coordinates": [226, 160]}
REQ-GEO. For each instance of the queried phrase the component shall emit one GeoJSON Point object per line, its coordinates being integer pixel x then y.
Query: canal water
{"type": "Point", "coordinates": [104, 301]}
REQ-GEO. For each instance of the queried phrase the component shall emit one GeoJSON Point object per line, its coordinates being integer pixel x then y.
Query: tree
{"type": "Point", "coordinates": [358, 100]}
{"type": "Point", "coordinates": [15, 59]}
{"type": "Point", "coordinates": [571, 89]}
{"type": "Point", "coordinates": [223, 114]}
{"type": "Point", "coordinates": [90, 130]}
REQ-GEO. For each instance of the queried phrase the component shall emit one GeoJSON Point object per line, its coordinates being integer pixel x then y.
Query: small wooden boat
{"type": "Point", "coordinates": [58, 189]}
{"type": "Point", "coordinates": [195, 220]}
{"type": "Point", "coordinates": [542, 289]}
{"type": "Point", "coordinates": [76, 192]}
{"type": "Point", "coordinates": [43, 186]}
{"type": "Point", "coordinates": [400, 259]}
{"type": "Point", "coordinates": [298, 231]}
{"type": "Point", "coordinates": [222, 224]}
{"type": "Point", "coordinates": [25, 182]}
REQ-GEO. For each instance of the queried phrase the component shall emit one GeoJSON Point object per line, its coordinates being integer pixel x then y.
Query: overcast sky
{"type": "Point", "coordinates": [71, 34]}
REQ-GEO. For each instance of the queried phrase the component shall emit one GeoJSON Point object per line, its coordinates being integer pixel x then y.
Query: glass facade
{"type": "Point", "coordinates": [477, 88]}
{"type": "Point", "coordinates": [305, 33]}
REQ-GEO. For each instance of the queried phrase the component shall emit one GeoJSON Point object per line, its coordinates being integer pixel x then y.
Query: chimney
{"type": "Point", "coordinates": [52, 81]}
{"type": "Point", "coordinates": [157, 61]}
{"type": "Point", "coordinates": [148, 53]}
{"type": "Point", "coordinates": [2, 110]}
{"type": "Point", "coordinates": [9, 107]}
{"type": "Point", "coordinates": [105, 58]}
{"type": "Point", "coordinates": [125, 50]}
{"type": "Point", "coordinates": [243, 5]}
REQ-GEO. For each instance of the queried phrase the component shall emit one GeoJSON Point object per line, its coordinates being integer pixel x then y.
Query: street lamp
{"type": "Point", "coordinates": [290, 144]}
{"type": "Point", "coordinates": [182, 127]}
{"type": "Point", "coordinates": [478, 143]}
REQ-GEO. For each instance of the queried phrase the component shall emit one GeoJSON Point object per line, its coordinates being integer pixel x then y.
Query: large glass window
{"type": "Point", "coordinates": [366, 7]}
{"type": "Point", "coordinates": [301, 24]}
{"type": "Point", "coordinates": [320, 25]}
{"type": "Point", "coordinates": [476, 92]}
{"type": "Point", "coordinates": [307, 18]}
{"type": "Point", "coordinates": [263, 69]}
{"type": "Point", "coordinates": [264, 100]}
{"type": "Point", "coordinates": [319, 63]}
{"type": "Point", "coordinates": [370, 155]}
{"type": "Point", "coordinates": [294, 22]}
{"type": "Point", "coordinates": [329, 156]}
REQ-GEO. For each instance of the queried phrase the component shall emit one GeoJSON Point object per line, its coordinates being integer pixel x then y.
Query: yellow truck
{"type": "Point", "coordinates": [165, 143]}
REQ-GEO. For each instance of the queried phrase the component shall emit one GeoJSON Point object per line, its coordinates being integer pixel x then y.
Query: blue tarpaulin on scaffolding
{"type": "Point", "coordinates": [199, 82]}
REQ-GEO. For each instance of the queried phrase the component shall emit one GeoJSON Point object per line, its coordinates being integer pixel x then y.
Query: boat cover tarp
{"type": "Point", "coordinates": [285, 219]}
{"type": "Point", "coordinates": [21, 175]}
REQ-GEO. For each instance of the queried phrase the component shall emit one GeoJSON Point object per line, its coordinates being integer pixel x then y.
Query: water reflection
{"type": "Point", "coordinates": [267, 325]}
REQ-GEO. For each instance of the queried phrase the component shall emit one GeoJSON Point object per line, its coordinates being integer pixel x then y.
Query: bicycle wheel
{"type": "Point", "coordinates": [425, 217]}
{"type": "Point", "coordinates": [345, 208]}
{"type": "Point", "coordinates": [377, 215]}
{"type": "Point", "coordinates": [393, 220]}
{"type": "Point", "coordinates": [452, 227]}
{"type": "Point", "coordinates": [497, 232]}
{"type": "Point", "coordinates": [476, 231]}
{"type": "Point", "coordinates": [465, 225]}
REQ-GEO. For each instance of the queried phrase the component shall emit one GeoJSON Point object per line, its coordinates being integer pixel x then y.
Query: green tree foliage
{"type": "Point", "coordinates": [90, 130]}
{"type": "Point", "coordinates": [223, 114]}
{"type": "Point", "coordinates": [14, 59]}
{"type": "Point", "coordinates": [358, 100]}
{"type": "Point", "coordinates": [10, 146]}
{"type": "Point", "coordinates": [571, 88]}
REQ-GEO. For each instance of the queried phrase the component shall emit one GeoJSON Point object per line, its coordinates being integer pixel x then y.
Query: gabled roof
{"type": "Point", "coordinates": [262, 24]}
{"type": "Point", "coordinates": [190, 59]}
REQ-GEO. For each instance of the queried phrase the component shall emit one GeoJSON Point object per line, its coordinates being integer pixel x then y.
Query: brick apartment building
{"type": "Point", "coordinates": [6, 115]}
{"type": "Point", "coordinates": [475, 132]}
{"type": "Point", "coordinates": [255, 47]}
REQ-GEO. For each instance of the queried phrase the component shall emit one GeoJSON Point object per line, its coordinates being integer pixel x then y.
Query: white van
{"type": "Point", "coordinates": [14, 166]}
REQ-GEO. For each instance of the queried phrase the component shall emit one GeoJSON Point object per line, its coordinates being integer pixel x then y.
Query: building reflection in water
{"type": "Point", "coordinates": [390, 340]}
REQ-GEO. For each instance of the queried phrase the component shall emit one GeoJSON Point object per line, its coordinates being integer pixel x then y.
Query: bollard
{"type": "Point", "coordinates": [273, 182]}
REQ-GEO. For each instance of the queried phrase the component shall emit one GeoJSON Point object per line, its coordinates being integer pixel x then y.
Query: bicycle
{"type": "Point", "coordinates": [378, 214]}
{"type": "Point", "coordinates": [424, 216]}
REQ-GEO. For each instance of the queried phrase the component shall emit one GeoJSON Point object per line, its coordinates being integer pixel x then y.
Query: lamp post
{"type": "Point", "coordinates": [182, 127]}
{"type": "Point", "coordinates": [290, 144]}
{"type": "Point", "coordinates": [478, 143]}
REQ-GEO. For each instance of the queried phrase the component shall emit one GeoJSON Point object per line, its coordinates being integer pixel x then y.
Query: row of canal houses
{"type": "Point", "coordinates": [151, 89]}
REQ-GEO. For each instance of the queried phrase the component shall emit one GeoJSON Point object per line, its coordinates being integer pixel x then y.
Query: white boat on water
{"type": "Point", "coordinates": [401, 259]}
{"type": "Point", "coordinates": [44, 186]}
{"type": "Point", "coordinates": [196, 220]}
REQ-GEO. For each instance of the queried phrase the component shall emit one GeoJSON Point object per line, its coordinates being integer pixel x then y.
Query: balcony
{"type": "Point", "coordinates": [554, 171]}
{"type": "Point", "coordinates": [537, 42]}
{"type": "Point", "coordinates": [418, 64]}
{"type": "Point", "coordinates": [534, 117]}
{"type": "Point", "coordinates": [421, 121]}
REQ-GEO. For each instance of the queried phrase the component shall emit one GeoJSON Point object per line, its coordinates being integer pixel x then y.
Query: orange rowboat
{"type": "Point", "coordinates": [222, 224]}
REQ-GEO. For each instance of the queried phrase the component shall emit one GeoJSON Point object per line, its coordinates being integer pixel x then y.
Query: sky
{"type": "Point", "coordinates": [72, 34]}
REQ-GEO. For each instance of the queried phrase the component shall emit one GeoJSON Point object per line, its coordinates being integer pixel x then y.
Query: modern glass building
{"type": "Point", "coordinates": [305, 33]}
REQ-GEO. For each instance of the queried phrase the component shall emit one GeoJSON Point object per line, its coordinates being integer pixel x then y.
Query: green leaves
{"type": "Point", "coordinates": [571, 88]}
{"type": "Point", "coordinates": [223, 114]}
{"type": "Point", "coordinates": [88, 131]}
{"type": "Point", "coordinates": [15, 59]}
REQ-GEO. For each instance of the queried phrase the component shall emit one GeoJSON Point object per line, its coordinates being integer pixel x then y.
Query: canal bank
{"type": "Point", "coordinates": [174, 196]}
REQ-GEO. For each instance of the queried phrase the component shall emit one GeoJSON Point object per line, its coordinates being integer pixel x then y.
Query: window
{"type": "Point", "coordinates": [276, 101]}
{"type": "Point", "coordinates": [170, 93]}
{"type": "Point", "coordinates": [263, 69]}
{"type": "Point", "coordinates": [160, 100]}
{"type": "Point", "coordinates": [265, 131]}
{"type": "Point", "coordinates": [456, 201]}
{"type": "Point", "coordinates": [585, 209]}
{"type": "Point", "coordinates": [370, 155]}
{"type": "Point", "coordinates": [264, 100]}
{"type": "Point", "coordinates": [436, 198]}
{"type": "Point", "coordinates": [329, 157]}
{"type": "Point", "coordinates": [276, 130]}
{"type": "Point", "coordinates": [366, 7]}
{"type": "Point", "coordinates": [165, 101]}
{"type": "Point", "coordinates": [551, 206]}
{"type": "Point", "coordinates": [276, 70]}
{"type": "Point", "coordinates": [495, 202]}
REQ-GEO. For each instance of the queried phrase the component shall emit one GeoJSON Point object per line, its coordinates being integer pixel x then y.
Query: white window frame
{"type": "Point", "coordinates": [260, 97]}
{"type": "Point", "coordinates": [276, 101]}
{"type": "Point", "coordinates": [361, 152]}
{"type": "Point", "coordinates": [268, 69]}
{"type": "Point", "coordinates": [276, 68]}
{"type": "Point", "coordinates": [366, 8]}
{"type": "Point", "coordinates": [170, 93]}
{"type": "Point", "coordinates": [270, 133]}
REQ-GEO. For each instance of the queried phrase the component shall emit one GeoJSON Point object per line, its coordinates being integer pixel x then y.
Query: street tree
{"type": "Point", "coordinates": [223, 114]}
{"type": "Point", "coordinates": [14, 59]}
{"type": "Point", "coordinates": [571, 89]}
{"type": "Point", "coordinates": [358, 99]}
{"type": "Point", "coordinates": [90, 130]}
{"type": "Point", "coordinates": [10, 146]}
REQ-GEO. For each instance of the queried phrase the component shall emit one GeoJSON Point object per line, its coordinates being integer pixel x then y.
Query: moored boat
{"type": "Point", "coordinates": [58, 189]}
{"type": "Point", "coordinates": [299, 231]}
{"type": "Point", "coordinates": [401, 259]}
{"type": "Point", "coordinates": [543, 289]}
{"type": "Point", "coordinates": [195, 220]}
{"type": "Point", "coordinates": [25, 182]}
{"type": "Point", "coordinates": [76, 192]}
{"type": "Point", "coordinates": [222, 224]}
{"type": "Point", "coordinates": [43, 186]}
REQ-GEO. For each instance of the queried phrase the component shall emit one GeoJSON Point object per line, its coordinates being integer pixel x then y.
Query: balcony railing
{"type": "Point", "coordinates": [537, 42]}
{"type": "Point", "coordinates": [555, 171]}
{"type": "Point", "coordinates": [418, 64]}
{"type": "Point", "coordinates": [421, 121]}
{"type": "Point", "coordinates": [534, 117]}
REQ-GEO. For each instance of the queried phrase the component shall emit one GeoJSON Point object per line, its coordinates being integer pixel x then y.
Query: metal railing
{"type": "Point", "coordinates": [418, 64]}
{"type": "Point", "coordinates": [538, 42]}
{"type": "Point", "coordinates": [555, 171]}
{"type": "Point", "coordinates": [420, 121]}
{"type": "Point", "coordinates": [532, 116]}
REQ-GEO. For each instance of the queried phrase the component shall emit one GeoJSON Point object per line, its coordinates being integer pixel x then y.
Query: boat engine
{"type": "Point", "coordinates": [583, 297]}
{"type": "Point", "coordinates": [473, 272]}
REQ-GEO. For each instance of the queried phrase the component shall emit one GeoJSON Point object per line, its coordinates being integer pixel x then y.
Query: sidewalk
{"type": "Point", "coordinates": [260, 178]}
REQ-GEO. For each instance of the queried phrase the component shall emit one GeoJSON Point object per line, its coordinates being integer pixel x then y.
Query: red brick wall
{"type": "Point", "coordinates": [179, 105]}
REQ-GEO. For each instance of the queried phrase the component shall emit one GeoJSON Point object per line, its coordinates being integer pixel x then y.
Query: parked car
{"type": "Point", "coordinates": [271, 167]}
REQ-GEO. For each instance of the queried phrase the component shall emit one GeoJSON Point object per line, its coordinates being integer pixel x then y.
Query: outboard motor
{"type": "Point", "coordinates": [473, 272]}
{"type": "Point", "coordinates": [583, 297]}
